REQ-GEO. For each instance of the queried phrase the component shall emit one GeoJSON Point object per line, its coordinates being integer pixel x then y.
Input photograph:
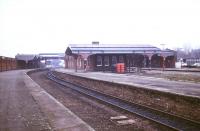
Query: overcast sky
{"type": "Point", "coordinates": [38, 26]}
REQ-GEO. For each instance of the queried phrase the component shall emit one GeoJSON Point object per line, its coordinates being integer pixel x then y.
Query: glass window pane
{"type": "Point", "coordinates": [106, 61]}
{"type": "Point", "coordinates": [121, 59]}
{"type": "Point", "coordinates": [114, 60]}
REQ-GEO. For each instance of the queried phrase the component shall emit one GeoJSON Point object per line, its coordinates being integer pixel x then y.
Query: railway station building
{"type": "Point", "coordinates": [104, 57]}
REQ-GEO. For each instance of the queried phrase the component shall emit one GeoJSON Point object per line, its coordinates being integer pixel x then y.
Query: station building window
{"type": "Point", "coordinates": [79, 62]}
{"type": "Point", "coordinates": [106, 60]}
{"type": "Point", "coordinates": [121, 59]}
{"type": "Point", "coordinates": [114, 60]}
{"type": "Point", "coordinates": [99, 61]}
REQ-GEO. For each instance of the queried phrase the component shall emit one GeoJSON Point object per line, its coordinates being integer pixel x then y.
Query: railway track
{"type": "Point", "coordinates": [171, 121]}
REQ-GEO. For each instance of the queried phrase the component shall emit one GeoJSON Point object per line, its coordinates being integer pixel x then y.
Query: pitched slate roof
{"type": "Point", "coordinates": [26, 57]}
{"type": "Point", "coordinates": [112, 49]}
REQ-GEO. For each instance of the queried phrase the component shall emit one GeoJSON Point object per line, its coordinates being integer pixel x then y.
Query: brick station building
{"type": "Point", "coordinates": [102, 57]}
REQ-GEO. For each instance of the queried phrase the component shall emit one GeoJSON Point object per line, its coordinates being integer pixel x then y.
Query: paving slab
{"type": "Point", "coordinates": [160, 84]}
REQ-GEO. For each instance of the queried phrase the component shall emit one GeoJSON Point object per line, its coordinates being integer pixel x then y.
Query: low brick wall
{"type": "Point", "coordinates": [185, 106]}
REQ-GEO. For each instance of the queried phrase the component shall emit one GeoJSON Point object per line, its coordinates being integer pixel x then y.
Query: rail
{"type": "Point", "coordinates": [165, 119]}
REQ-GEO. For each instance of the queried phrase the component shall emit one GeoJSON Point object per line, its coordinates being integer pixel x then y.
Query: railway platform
{"type": "Point", "coordinates": [175, 69]}
{"type": "Point", "coordinates": [25, 106]}
{"type": "Point", "coordinates": [175, 87]}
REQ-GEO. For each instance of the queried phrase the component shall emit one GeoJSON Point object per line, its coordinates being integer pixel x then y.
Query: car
{"type": "Point", "coordinates": [183, 64]}
{"type": "Point", "coordinates": [196, 64]}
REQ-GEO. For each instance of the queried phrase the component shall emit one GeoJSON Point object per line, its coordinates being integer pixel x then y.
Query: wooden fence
{"type": "Point", "coordinates": [7, 63]}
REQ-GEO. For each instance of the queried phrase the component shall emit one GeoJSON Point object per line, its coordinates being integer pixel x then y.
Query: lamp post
{"type": "Point", "coordinates": [181, 61]}
{"type": "Point", "coordinates": [163, 62]}
{"type": "Point", "coordinates": [163, 48]}
{"type": "Point", "coordinates": [75, 61]}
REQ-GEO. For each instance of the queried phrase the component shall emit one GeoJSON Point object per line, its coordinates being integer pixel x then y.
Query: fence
{"type": "Point", "coordinates": [7, 63]}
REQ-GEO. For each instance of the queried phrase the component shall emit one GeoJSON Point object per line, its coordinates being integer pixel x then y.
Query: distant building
{"type": "Point", "coordinates": [45, 56]}
{"type": "Point", "coordinates": [104, 57]}
{"type": "Point", "coordinates": [192, 61]}
{"type": "Point", "coordinates": [52, 59]}
{"type": "Point", "coordinates": [27, 61]}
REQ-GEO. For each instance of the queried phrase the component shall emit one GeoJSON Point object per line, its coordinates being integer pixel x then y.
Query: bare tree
{"type": "Point", "coordinates": [187, 48]}
{"type": "Point", "coordinates": [196, 53]}
{"type": "Point", "coordinates": [180, 53]}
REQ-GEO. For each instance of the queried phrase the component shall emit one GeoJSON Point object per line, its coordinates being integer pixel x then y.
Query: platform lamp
{"type": "Point", "coordinates": [163, 47]}
{"type": "Point", "coordinates": [75, 61]}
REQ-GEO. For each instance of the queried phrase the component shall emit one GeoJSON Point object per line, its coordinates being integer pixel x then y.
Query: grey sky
{"type": "Point", "coordinates": [36, 26]}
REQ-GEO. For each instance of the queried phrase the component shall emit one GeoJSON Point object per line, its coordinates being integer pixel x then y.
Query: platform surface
{"type": "Point", "coordinates": [25, 106]}
{"type": "Point", "coordinates": [161, 84]}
